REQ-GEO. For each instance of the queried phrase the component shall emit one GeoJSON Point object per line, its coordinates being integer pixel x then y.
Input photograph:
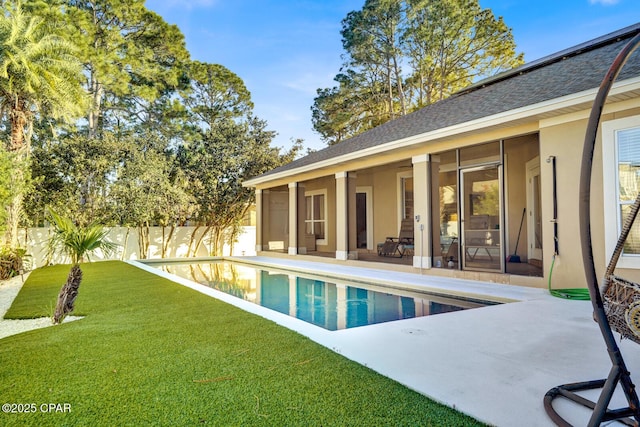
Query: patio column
{"type": "Point", "coordinates": [296, 219]}
{"type": "Point", "coordinates": [265, 221]}
{"type": "Point", "coordinates": [346, 216]}
{"type": "Point", "coordinates": [351, 211]}
{"type": "Point", "coordinates": [302, 215]}
{"type": "Point", "coordinates": [422, 220]}
{"type": "Point", "coordinates": [259, 213]}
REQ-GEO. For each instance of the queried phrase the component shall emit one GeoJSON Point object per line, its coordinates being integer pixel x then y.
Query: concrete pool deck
{"type": "Point", "coordinates": [494, 363]}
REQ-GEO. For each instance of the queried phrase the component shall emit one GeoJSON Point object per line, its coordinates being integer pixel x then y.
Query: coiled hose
{"type": "Point", "coordinates": [578, 294]}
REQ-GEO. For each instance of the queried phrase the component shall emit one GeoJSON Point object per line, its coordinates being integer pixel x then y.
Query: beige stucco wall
{"type": "Point", "coordinates": [385, 201]}
{"type": "Point", "coordinates": [565, 141]}
{"type": "Point", "coordinates": [328, 184]}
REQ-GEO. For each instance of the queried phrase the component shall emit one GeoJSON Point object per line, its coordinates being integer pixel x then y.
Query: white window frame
{"type": "Point", "coordinates": [612, 220]}
{"type": "Point", "coordinates": [400, 177]}
{"type": "Point", "coordinates": [313, 221]}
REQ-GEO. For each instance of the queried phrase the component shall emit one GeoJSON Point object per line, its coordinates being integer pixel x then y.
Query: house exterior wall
{"type": "Point", "coordinates": [559, 135]}
{"type": "Point", "coordinates": [328, 184]}
{"type": "Point", "coordinates": [565, 142]}
{"type": "Point", "coordinates": [385, 195]}
{"type": "Point", "coordinates": [383, 180]}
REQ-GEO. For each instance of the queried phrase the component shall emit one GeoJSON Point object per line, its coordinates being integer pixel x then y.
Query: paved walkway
{"type": "Point", "coordinates": [494, 363]}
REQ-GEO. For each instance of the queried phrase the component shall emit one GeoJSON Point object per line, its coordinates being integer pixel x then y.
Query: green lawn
{"type": "Point", "coordinates": [151, 352]}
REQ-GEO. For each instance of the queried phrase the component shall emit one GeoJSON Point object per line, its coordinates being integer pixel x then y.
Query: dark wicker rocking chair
{"type": "Point", "coordinates": [617, 308]}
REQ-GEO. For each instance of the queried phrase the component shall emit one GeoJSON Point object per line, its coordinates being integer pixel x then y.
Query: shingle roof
{"type": "Point", "coordinates": [567, 72]}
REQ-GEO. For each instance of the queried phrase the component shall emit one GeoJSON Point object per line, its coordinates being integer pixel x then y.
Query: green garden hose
{"type": "Point", "coordinates": [579, 294]}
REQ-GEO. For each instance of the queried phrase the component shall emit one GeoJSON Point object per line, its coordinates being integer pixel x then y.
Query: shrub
{"type": "Point", "coordinates": [13, 261]}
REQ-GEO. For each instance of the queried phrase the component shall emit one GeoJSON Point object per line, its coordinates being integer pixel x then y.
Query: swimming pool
{"type": "Point", "coordinates": [329, 303]}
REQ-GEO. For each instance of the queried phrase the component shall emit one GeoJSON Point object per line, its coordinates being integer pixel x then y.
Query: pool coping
{"type": "Point", "coordinates": [443, 286]}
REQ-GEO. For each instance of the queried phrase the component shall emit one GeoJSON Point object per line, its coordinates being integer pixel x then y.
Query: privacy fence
{"type": "Point", "coordinates": [146, 243]}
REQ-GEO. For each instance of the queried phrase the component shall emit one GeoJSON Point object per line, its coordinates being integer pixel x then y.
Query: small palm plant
{"type": "Point", "coordinates": [77, 243]}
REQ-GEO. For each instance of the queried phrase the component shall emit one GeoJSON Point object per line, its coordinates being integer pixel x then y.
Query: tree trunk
{"type": "Point", "coordinates": [398, 74]}
{"type": "Point", "coordinates": [18, 121]}
{"type": "Point", "coordinates": [392, 113]}
{"type": "Point", "coordinates": [124, 246]}
{"type": "Point", "coordinates": [192, 239]}
{"type": "Point", "coordinates": [14, 208]}
{"type": "Point", "coordinates": [200, 240]}
{"type": "Point", "coordinates": [216, 246]}
{"type": "Point", "coordinates": [232, 242]}
{"type": "Point", "coordinates": [162, 245]}
{"type": "Point", "coordinates": [13, 218]}
{"type": "Point", "coordinates": [68, 294]}
{"type": "Point", "coordinates": [96, 91]}
{"type": "Point", "coordinates": [143, 241]}
{"type": "Point", "coordinates": [166, 241]}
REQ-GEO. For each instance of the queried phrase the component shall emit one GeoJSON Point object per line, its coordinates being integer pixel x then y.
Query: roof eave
{"type": "Point", "coordinates": [465, 127]}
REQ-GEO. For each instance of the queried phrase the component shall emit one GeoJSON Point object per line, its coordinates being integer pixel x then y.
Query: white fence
{"type": "Point", "coordinates": [177, 244]}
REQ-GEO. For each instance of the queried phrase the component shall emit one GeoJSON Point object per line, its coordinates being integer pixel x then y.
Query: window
{"type": "Point", "coordinates": [316, 215]}
{"type": "Point", "coordinates": [621, 170]}
{"type": "Point", "coordinates": [405, 196]}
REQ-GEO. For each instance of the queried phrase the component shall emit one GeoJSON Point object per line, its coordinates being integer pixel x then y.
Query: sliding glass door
{"type": "Point", "coordinates": [481, 224]}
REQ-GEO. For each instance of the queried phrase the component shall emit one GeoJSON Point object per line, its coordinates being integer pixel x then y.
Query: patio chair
{"type": "Point", "coordinates": [401, 245]}
{"type": "Point", "coordinates": [617, 308]}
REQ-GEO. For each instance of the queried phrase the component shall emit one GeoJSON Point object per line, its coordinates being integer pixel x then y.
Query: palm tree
{"type": "Point", "coordinates": [77, 244]}
{"type": "Point", "coordinates": [38, 73]}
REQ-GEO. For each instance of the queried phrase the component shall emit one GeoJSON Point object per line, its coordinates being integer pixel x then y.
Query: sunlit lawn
{"type": "Point", "coordinates": [151, 352]}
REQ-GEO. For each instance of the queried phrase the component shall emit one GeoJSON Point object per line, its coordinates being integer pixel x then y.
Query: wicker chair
{"type": "Point", "coordinates": [617, 308]}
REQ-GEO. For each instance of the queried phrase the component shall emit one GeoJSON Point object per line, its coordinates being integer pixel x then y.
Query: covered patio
{"type": "Point", "coordinates": [412, 211]}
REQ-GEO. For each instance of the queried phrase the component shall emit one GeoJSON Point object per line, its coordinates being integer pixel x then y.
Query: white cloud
{"type": "Point", "coordinates": [189, 5]}
{"type": "Point", "coordinates": [604, 2]}
{"type": "Point", "coordinates": [306, 83]}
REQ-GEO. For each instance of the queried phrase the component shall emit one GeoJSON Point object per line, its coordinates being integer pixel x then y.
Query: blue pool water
{"type": "Point", "coordinates": [330, 304]}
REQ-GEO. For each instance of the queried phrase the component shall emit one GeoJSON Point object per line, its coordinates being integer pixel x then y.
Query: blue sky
{"type": "Point", "coordinates": [286, 49]}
